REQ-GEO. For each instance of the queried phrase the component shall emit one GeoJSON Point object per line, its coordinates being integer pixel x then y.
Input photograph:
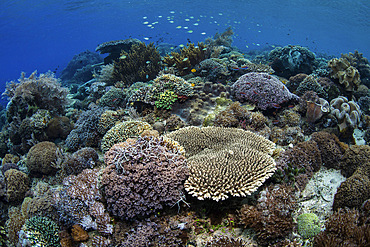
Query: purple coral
{"type": "Point", "coordinates": [143, 177]}
{"type": "Point", "coordinates": [261, 89]}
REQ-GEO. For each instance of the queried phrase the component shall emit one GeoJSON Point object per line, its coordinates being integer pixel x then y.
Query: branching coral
{"type": "Point", "coordinates": [143, 177]}
{"type": "Point", "coordinates": [272, 217]}
{"type": "Point", "coordinates": [142, 63]}
{"type": "Point", "coordinates": [187, 58]}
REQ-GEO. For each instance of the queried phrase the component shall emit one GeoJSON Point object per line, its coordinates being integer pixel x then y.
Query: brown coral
{"type": "Point", "coordinates": [16, 185]}
{"type": "Point", "coordinates": [354, 157]}
{"type": "Point", "coordinates": [79, 234]}
{"type": "Point", "coordinates": [347, 75]}
{"type": "Point", "coordinates": [41, 157]}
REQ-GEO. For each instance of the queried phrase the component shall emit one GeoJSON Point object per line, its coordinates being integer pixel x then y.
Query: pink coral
{"type": "Point", "coordinates": [261, 89]}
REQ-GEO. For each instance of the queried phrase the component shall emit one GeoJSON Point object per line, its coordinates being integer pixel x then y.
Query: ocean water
{"type": "Point", "coordinates": [44, 35]}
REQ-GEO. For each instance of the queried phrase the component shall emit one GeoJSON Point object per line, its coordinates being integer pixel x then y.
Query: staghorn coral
{"type": "Point", "coordinates": [195, 139]}
{"type": "Point", "coordinates": [272, 217]}
{"type": "Point", "coordinates": [41, 158]}
{"type": "Point", "coordinates": [261, 89]}
{"type": "Point", "coordinates": [348, 113]}
{"type": "Point", "coordinates": [39, 231]}
{"type": "Point", "coordinates": [347, 75]}
{"type": "Point", "coordinates": [143, 176]}
{"type": "Point", "coordinates": [188, 57]}
{"type": "Point", "coordinates": [121, 131]}
{"type": "Point", "coordinates": [17, 183]}
{"type": "Point", "coordinates": [80, 202]}
{"type": "Point", "coordinates": [142, 63]}
{"type": "Point", "coordinates": [235, 170]}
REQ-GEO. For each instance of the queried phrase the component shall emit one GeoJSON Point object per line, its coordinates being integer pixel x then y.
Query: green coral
{"type": "Point", "coordinates": [308, 225]}
{"type": "Point", "coordinates": [166, 99]}
{"type": "Point", "coordinates": [41, 231]}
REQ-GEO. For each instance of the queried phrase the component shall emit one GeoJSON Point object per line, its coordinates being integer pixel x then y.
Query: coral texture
{"type": "Point", "coordinates": [347, 75]}
{"type": "Point", "coordinates": [261, 89]}
{"type": "Point", "coordinates": [144, 176]}
{"type": "Point", "coordinates": [80, 160]}
{"type": "Point", "coordinates": [41, 158]}
{"type": "Point", "coordinates": [226, 241]}
{"type": "Point", "coordinates": [195, 139]}
{"type": "Point", "coordinates": [17, 183]}
{"type": "Point", "coordinates": [308, 225]}
{"type": "Point", "coordinates": [121, 131]}
{"type": "Point", "coordinates": [348, 113]}
{"type": "Point", "coordinates": [272, 217]}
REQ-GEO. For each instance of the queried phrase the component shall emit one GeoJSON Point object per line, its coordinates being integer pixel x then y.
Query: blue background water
{"type": "Point", "coordinates": [46, 34]}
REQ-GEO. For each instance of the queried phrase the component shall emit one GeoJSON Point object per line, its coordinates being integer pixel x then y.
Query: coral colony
{"type": "Point", "coordinates": [200, 146]}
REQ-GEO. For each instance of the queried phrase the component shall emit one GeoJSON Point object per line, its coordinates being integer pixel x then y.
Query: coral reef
{"type": "Point", "coordinates": [59, 127]}
{"type": "Point", "coordinates": [261, 89]}
{"type": "Point", "coordinates": [143, 177]}
{"type": "Point", "coordinates": [195, 139]}
{"type": "Point", "coordinates": [86, 132]}
{"type": "Point", "coordinates": [41, 158]}
{"type": "Point", "coordinates": [233, 116]}
{"type": "Point", "coordinates": [361, 63]}
{"type": "Point", "coordinates": [188, 57]}
{"type": "Point", "coordinates": [115, 47]}
{"type": "Point", "coordinates": [286, 135]}
{"type": "Point", "coordinates": [80, 160]}
{"type": "Point", "coordinates": [121, 131]}
{"type": "Point", "coordinates": [291, 60]}
{"type": "Point", "coordinates": [225, 241]}
{"type": "Point", "coordinates": [17, 183]}
{"type": "Point", "coordinates": [39, 231]}
{"type": "Point", "coordinates": [80, 202]}
{"type": "Point", "coordinates": [272, 217]}
{"type": "Point", "coordinates": [310, 83]}
{"type": "Point", "coordinates": [142, 63]}
{"type": "Point", "coordinates": [347, 112]}
{"type": "Point", "coordinates": [347, 75]}
{"type": "Point", "coordinates": [221, 39]}
{"type": "Point", "coordinates": [354, 157]}
{"type": "Point", "coordinates": [316, 109]}
{"type": "Point", "coordinates": [115, 97]}
{"type": "Point", "coordinates": [14, 224]}
{"type": "Point", "coordinates": [308, 225]}
{"type": "Point", "coordinates": [236, 170]}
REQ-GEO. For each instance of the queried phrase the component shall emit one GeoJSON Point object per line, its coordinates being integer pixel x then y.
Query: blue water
{"type": "Point", "coordinates": [46, 34]}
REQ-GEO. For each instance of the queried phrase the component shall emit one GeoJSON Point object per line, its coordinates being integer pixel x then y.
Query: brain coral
{"type": "Point", "coordinates": [121, 131]}
{"type": "Point", "coordinates": [261, 89]}
{"type": "Point", "coordinates": [144, 176]}
{"type": "Point", "coordinates": [225, 161]}
{"type": "Point", "coordinates": [41, 158]}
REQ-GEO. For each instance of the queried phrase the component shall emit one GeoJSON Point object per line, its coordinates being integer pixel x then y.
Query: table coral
{"type": "Point", "coordinates": [347, 112]}
{"type": "Point", "coordinates": [261, 89]}
{"type": "Point", "coordinates": [144, 176]}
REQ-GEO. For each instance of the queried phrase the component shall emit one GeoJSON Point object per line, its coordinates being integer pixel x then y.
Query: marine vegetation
{"type": "Point", "coordinates": [188, 57]}
{"type": "Point", "coordinates": [141, 63]}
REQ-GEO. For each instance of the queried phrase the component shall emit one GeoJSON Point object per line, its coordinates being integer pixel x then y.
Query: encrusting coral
{"type": "Point", "coordinates": [142, 63]}
{"type": "Point", "coordinates": [143, 176]}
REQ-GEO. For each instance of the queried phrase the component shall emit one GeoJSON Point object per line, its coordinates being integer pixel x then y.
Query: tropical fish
{"type": "Point", "coordinates": [193, 70]}
{"type": "Point", "coordinates": [277, 106]}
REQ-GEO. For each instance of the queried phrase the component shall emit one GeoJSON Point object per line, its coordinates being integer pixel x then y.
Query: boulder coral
{"type": "Point", "coordinates": [348, 113]}
{"type": "Point", "coordinates": [41, 158]}
{"type": "Point", "coordinates": [261, 89]}
{"type": "Point", "coordinates": [17, 184]}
